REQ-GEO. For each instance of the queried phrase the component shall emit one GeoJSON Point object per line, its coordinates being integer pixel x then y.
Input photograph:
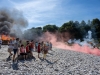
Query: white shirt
{"type": "Point", "coordinates": [16, 44]}
{"type": "Point", "coordinates": [11, 45]}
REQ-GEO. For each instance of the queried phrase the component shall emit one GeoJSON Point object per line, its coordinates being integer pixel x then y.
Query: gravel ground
{"type": "Point", "coordinates": [58, 62]}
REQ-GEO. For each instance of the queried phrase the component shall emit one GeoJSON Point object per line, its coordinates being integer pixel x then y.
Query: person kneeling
{"type": "Point", "coordinates": [23, 51]}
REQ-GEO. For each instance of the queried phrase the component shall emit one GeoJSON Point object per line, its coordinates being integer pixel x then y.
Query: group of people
{"type": "Point", "coordinates": [27, 48]}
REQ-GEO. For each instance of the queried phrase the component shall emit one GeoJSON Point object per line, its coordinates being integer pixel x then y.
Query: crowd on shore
{"type": "Point", "coordinates": [19, 49]}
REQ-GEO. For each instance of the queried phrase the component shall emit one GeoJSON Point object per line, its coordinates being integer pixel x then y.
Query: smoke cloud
{"type": "Point", "coordinates": [34, 34]}
{"type": "Point", "coordinates": [77, 45]}
{"type": "Point", "coordinates": [12, 21]}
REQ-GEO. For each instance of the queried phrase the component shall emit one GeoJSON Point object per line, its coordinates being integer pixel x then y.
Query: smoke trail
{"type": "Point", "coordinates": [34, 34]}
{"type": "Point", "coordinates": [77, 45]}
{"type": "Point", "coordinates": [12, 21]}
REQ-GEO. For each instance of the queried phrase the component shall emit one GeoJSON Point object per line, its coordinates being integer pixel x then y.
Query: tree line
{"type": "Point", "coordinates": [77, 30]}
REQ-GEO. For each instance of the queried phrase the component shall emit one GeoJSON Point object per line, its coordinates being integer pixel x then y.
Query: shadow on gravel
{"type": "Point", "coordinates": [41, 59]}
{"type": "Point", "coordinates": [15, 66]}
{"type": "Point", "coordinates": [8, 59]}
{"type": "Point", "coordinates": [50, 53]}
{"type": "Point", "coordinates": [49, 62]}
{"type": "Point", "coordinates": [30, 59]}
{"type": "Point", "coordinates": [34, 58]}
{"type": "Point", "coordinates": [20, 58]}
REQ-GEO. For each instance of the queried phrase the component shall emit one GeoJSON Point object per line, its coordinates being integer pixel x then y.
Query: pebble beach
{"type": "Point", "coordinates": [58, 62]}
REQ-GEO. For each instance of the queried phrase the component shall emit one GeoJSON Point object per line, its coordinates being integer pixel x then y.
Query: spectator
{"type": "Point", "coordinates": [15, 49]}
{"type": "Point", "coordinates": [0, 43]}
{"type": "Point", "coordinates": [23, 51]}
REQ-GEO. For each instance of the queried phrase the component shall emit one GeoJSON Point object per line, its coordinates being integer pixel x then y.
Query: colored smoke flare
{"type": "Point", "coordinates": [76, 47]}
{"type": "Point", "coordinates": [83, 47]}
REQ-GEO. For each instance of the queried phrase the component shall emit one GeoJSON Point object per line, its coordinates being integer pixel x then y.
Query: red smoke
{"type": "Point", "coordinates": [75, 47]}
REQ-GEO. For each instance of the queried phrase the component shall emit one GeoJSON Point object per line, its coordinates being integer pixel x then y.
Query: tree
{"type": "Point", "coordinates": [96, 25]}
{"type": "Point", "coordinates": [83, 23]}
{"type": "Point", "coordinates": [39, 28]}
{"type": "Point", "coordinates": [96, 21]}
{"type": "Point", "coordinates": [89, 23]}
{"type": "Point", "coordinates": [77, 24]}
{"type": "Point", "coordinates": [70, 27]}
{"type": "Point", "coordinates": [50, 28]}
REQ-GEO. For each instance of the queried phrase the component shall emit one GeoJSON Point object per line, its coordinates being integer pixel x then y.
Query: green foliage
{"type": "Point", "coordinates": [96, 25]}
{"type": "Point", "coordinates": [69, 26]}
{"type": "Point", "coordinates": [96, 21]}
{"type": "Point", "coordinates": [78, 30]}
{"type": "Point", "coordinates": [50, 28]}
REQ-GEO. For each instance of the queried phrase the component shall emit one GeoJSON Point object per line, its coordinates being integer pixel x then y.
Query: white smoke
{"type": "Point", "coordinates": [88, 41]}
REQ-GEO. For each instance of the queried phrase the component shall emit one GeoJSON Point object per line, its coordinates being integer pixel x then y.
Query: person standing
{"type": "Point", "coordinates": [0, 43]}
{"type": "Point", "coordinates": [32, 45]}
{"type": "Point", "coordinates": [45, 51]}
{"type": "Point", "coordinates": [36, 46]}
{"type": "Point", "coordinates": [27, 49]}
{"type": "Point", "coordinates": [50, 46]}
{"type": "Point", "coordinates": [20, 42]}
{"type": "Point", "coordinates": [39, 50]}
{"type": "Point", "coordinates": [30, 48]}
{"type": "Point", "coordinates": [15, 48]}
{"type": "Point", "coordinates": [10, 47]}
